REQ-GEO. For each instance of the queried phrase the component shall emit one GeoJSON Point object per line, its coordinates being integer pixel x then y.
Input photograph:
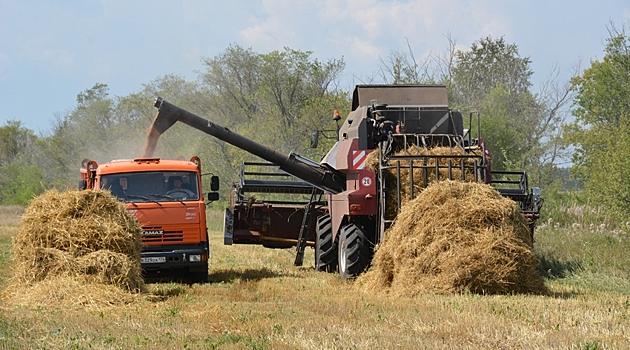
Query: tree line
{"type": "Point", "coordinates": [278, 98]}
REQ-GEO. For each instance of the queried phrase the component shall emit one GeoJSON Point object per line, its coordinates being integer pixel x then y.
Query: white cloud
{"type": "Point", "coordinates": [280, 26]}
{"type": "Point", "coordinates": [45, 53]}
{"type": "Point", "coordinates": [363, 48]}
{"type": "Point", "coordinates": [268, 36]}
{"type": "Point", "coordinates": [486, 21]}
{"type": "Point", "coordinates": [74, 43]}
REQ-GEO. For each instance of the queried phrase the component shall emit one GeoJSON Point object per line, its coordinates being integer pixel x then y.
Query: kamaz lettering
{"type": "Point", "coordinates": [151, 233]}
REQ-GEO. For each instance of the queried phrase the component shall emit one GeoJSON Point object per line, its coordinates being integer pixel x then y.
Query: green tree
{"type": "Point", "coordinates": [490, 63]}
{"type": "Point", "coordinates": [494, 79]}
{"type": "Point", "coordinates": [602, 123]}
{"type": "Point", "coordinates": [275, 98]}
{"type": "Point", "coordinates": [15, 139]}
{"type": "Point", "coordinates": [522, 129]}
{"type": "Point", "coordinates": [20, 177]}
{"type": "Point", "coordinates": [19, 183]}
{"type": "Point", "coordinates": [77, 135]}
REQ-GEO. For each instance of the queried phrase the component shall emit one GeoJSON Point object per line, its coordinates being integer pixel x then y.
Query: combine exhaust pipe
{"type": "Point", "coordinates": [329, 180]}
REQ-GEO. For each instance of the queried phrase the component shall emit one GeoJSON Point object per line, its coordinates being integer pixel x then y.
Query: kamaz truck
{"type": "Point", "coordinates": [167, 199]}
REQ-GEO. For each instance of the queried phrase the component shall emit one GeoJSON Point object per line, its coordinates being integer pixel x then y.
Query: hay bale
{"type": "Point", "coordinates": [86, 236]}
{"type": "Point", "coordinates": [455, 237]}
{"type": "Point", "coordinates": [79, 222]}
{"type": "Point", "coordinates": [108, 267]}
{"type": "Point", "coordinates": [35, 264]}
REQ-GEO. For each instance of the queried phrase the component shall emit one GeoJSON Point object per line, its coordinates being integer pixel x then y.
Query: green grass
{"type": "Point", "coordinates": [215, 220]}
{"type": "Point", "coordinates": [591, 258]}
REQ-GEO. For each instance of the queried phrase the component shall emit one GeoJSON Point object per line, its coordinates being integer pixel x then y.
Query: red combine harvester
{"type": "Point", "coordinates": [391, 119]}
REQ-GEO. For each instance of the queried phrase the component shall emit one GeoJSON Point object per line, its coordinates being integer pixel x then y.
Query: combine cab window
{"type": "Point", "coordinates": [153, 186]}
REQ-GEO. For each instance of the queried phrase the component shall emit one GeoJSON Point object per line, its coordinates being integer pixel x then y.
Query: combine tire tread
{"type": "Point", "coordinates": [355, 251]}
{"type": "Point", "coordinates": [325, 248]}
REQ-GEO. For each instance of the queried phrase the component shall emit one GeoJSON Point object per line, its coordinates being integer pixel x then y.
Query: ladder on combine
{"type": "Point", "coordinates": [306, 224]}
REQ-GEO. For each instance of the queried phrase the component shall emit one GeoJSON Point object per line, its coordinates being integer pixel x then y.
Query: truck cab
{"type": "Point", "coordinates": [167, 199]}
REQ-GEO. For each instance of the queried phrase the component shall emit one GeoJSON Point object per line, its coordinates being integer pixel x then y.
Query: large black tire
{"type": "Point", "coordinates": [355, 251]}
{"type": "Point", "coordinates": [325, 248]}
{"type": "Point", "coordinates": [201, 276]}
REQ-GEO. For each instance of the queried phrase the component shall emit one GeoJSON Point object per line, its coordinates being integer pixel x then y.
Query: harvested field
{"type": "Point", "coordinates": [76, 247]}
{"type": "Point", "coordinates": [456, 237]}
{"type": "Point", "coordinates": [257, 299]}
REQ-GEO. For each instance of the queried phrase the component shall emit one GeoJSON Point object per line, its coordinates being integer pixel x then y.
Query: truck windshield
{"type": "Point", "coordinates": [152, 186]}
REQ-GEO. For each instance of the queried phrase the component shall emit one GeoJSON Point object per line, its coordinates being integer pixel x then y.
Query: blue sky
{"type": "Point", "coordinates": [51, 51]}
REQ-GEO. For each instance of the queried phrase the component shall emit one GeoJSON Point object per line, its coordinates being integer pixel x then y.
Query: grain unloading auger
{"type": "Point", "coordinates": [363, 199]}
{"type": "Point", "coordinates": [325, 178]}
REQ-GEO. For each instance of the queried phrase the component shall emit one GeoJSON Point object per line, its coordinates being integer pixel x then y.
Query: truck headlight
{"type": "Point", "coordinates": [194, 258]}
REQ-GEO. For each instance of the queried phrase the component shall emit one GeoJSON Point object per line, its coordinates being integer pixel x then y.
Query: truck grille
{"type": "Point", "coordinates": [164, 237]}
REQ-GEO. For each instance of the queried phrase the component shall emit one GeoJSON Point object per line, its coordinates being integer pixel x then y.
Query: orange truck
{"type": "Point", "coordinates": [167, 199]}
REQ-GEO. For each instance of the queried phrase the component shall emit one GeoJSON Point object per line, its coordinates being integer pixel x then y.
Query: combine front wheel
{"type": "Point", "coordinates": [325, 249]}
{"type": "Point", "coordinates": [355, 251]}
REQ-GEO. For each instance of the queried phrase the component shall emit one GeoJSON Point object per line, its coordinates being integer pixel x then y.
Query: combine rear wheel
{"type": "Point", "coordinates": [325, 249]}
{"type": "Point", "coordinates": [355, 251]}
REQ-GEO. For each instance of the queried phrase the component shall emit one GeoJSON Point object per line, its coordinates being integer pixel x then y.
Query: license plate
{"type": "Point", "coordinates": [153, 260]}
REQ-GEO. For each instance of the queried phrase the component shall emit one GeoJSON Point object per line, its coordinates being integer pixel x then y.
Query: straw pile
{"type": "Point", "coordinates": [456, 237]}
{"type": "Point", "coordinates": [78, 247]}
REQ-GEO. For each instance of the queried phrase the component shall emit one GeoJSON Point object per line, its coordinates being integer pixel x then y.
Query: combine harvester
{"type": "Point", "coordinates": [356, 213]}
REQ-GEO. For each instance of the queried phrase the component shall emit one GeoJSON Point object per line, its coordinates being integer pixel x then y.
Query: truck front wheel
{"type": "Point", "coordinates": [355, 251]}
{"type": "Point", "coordinates": [198, 277]}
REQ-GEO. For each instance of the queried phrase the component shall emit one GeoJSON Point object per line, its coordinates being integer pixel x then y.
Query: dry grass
{"type": "Point", "coordinates": [258, 300]}
{"type": "Point", "coordinates": [393, 179]}
{"type": "Point", "coordinates": [75, 242]}
{"type": "Point", "coordinates": [456, 237]}
{"type": "Point", "coordinates": [10, 215]}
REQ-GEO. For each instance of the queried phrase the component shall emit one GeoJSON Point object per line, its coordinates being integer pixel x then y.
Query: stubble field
{"type": "Point", "coordinates": [257, 299]}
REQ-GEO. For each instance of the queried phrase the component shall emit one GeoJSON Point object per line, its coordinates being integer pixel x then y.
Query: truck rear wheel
{"type": "Point", "coordinates": [325, 249]}
{"type": "Point", "coordinates": [355, 251]}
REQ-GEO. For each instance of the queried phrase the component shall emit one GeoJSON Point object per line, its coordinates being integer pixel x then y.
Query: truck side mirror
{"type": "Point", "coordinates": [82, 184]}
{"type": "Point", "coordinates": [214, 183]}
{"type": "Point", "coordinates": [213, 196]}
{"type": "Point", "coordinates": [314, 138]}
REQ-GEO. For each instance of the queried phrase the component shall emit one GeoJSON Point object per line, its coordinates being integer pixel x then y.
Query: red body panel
{"type": "Point", "coordinates": [272, 226]}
